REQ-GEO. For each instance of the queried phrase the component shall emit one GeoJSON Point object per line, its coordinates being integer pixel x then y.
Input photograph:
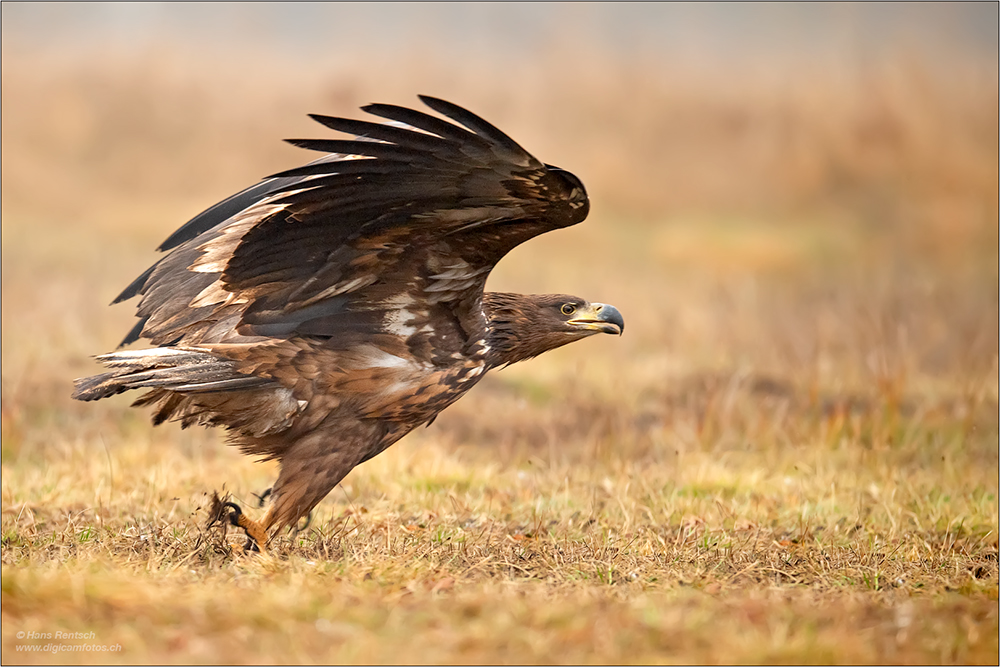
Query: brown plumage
{"type": "Point", "coordinates": [327, 311]}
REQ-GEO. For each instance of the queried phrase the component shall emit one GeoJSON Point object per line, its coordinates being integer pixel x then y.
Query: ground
{"type": "Point", "coordinates": [790, 455]}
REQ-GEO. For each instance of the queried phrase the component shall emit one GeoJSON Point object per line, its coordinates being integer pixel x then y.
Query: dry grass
{"type": "Point", "coordinates": [791, 455]}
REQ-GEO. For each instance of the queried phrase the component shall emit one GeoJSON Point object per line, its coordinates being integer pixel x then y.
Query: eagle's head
{"type": "Point", "coordinates": [522, 326]}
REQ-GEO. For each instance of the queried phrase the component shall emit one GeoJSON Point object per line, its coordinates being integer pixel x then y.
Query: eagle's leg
{"type": "Point", "coordinates": [262, 500]}
{"type": "Point", "coordinates": [310, 469]}
{"type": "Point", "coordinates": [288, 506]}
{"type": "Point", "coordinates": [256, 531]}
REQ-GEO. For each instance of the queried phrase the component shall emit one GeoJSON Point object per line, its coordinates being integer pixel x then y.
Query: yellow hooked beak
{"type": "Point", "coordinates": [600, 317]}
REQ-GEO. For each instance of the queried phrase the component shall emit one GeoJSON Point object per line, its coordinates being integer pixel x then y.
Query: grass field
{"type": "Point", "coordinates": [790, 456]}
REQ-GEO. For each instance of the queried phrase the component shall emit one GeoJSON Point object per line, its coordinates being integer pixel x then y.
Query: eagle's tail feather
{"type": "Point", "coordinates": [185, 370]}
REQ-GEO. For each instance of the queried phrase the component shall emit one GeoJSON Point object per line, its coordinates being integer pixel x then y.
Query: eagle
{"type": "Point", "coordinates": [327, 311]}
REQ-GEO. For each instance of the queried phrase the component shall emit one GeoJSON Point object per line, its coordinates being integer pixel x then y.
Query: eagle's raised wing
{"type": "Point", "coordinates": [393, 233]}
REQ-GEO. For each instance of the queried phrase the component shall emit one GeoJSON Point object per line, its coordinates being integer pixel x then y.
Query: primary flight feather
{"type": "Point", "coordinates": [326, 312]}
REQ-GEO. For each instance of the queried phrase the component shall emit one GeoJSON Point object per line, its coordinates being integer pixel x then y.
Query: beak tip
{"type": "Point", "coordinates": [612, 315]}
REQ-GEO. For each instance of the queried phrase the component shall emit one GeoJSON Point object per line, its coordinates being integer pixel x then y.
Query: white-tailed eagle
{"type": "Point", "coordinates": [326, 312]}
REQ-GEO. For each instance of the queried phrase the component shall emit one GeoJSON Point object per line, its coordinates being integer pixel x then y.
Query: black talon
{"type": "Point", "coordinates": [262, 498]}
{"type": "Point", "coordinates": [251, 544]}
{"type": "Point", "coordinates": [237, 510]}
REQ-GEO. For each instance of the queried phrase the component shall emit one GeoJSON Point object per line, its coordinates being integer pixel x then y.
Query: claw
{"type": "Point", "coordinates": [262, 497]}
{"type": "Point", "coordinates": [306, 522]}
{"type": "Point", "coordinates": [256, 535]}
{"type": "Point", "coordinates": [234, 519]}
{"type": "Point", "coordinates": [255, 532]}
{"type": "Point", "coordinates": [235, 514]}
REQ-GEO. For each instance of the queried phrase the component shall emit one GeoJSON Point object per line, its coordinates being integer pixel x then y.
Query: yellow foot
{"type": "Point", "coordinates": [255, 532]}
{"type": "Point", "coordinates": [256, 535]}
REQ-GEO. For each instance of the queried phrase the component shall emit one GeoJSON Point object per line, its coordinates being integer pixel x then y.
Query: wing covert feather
{"type": "Point", "coordinates": [421, 207]}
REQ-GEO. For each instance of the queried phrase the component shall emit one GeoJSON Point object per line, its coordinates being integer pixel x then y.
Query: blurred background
{"type": "Point", "coordinates": [800, 199]}
{"type": "Point", "coordinates": [795, 207]}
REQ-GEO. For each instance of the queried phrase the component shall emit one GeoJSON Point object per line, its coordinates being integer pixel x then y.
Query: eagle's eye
{"type": "Point", "coordinates": [568, 309]}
